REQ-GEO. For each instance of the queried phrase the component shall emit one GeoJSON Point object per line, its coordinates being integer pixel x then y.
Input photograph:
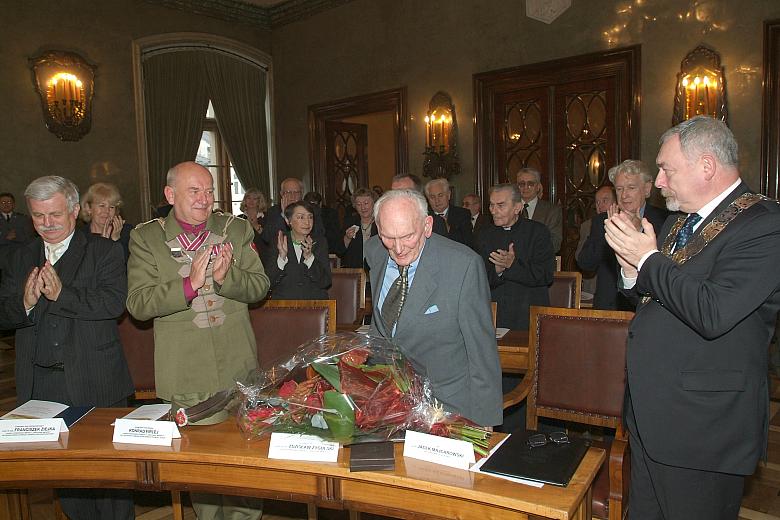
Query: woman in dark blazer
{"type": "Point", "coordinates": [297, 264]}
{"type": "Point", "coordinates": [358, 228]}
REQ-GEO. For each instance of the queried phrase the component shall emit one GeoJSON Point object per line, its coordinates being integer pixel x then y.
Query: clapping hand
{"type": "Point", "coordinates": [503, 258]}
{"type": "Point", "coordinates": [281, 245]}
{"type": "Point", "coordinates": [116, 227]}
{"type": "Point", "coordinates": [629, 244]}
{"type": "Point", "coordinates": [50, 282]}
{"type": "Point", "coordinates": [32, 289]}
{"type": "Point", "coordinates": [198, 269]}
{"type": "Point", "coordinates": [222, 262]}
{"type": "Point", "coordinates": [306, 247]}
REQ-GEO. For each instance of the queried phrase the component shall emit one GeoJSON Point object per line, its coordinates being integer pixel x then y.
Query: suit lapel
{"type": "Point", "coordinates": [424, 284]}
{"type": "Point", "coordinates": [378, 276]}
{"type": "Point", "coordinates": [69, 263]}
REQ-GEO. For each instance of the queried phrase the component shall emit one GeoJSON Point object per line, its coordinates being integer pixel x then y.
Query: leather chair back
{"type": "Point", "coordinates": [281, 326]}
{"type": "Point", "coordinates": [348, 288]}
{"type": "Point", "coordinates": [565, 290]}
{"type": "Point", "coordinates": [137, 339]}
{"type": "Point", "coordinates": [577, 361]}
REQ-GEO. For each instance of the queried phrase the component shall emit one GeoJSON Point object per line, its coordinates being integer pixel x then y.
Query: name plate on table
{"type": "Point", "coordinates": [294, 446]}
{"type": "Point", "coordinates": [31, 430]}
{"type": "Point", "coordinates": [140, 431]}
{"type": "Point", "coordinates": [439, 450]}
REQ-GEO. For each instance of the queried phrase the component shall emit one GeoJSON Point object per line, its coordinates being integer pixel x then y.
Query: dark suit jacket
{"type": "Point", "coordinates": [352, 255]}
{"type": "Point", "coordinates": [458, 226]}
{"type": "Point", "coordinates": [21, 224]}
{"type": "Point", "coordinates": [697, 351]}
{"type": "Point", "coordinates": [446, 328]}
{"type": "Point", "coordinates": [80, 328]}
{"type": "Point", "coordinates": [483, 221]}
{"type": "Point", "coordinates": [527, 282]}
{"type": "Point", "coordinates": [596, 255]}
{"type": "Point", "coordinates": [297, 281]}
{"type": "Point", "coordinates": [551, 216]}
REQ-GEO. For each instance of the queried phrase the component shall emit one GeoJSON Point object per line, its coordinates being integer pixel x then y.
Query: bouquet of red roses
{"type": "Point", "coordinates": [346, 386]}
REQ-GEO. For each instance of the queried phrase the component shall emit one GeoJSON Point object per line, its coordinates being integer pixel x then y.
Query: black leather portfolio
{"type": "Point", "coordinates": [552, 463]}
{"type": "Point", "coordinates": [371, 456]}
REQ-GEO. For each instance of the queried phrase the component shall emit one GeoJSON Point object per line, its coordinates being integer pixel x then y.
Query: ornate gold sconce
{"type": "Point", "coordinates": [701, 87]}
{"type": "Point", "coordinates": [65, 83]}
{"type": "Point", "coordinates": [441, 138]}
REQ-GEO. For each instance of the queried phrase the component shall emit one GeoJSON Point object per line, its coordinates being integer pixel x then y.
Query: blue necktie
{"type": "Point", "coordinates": [686, 231]}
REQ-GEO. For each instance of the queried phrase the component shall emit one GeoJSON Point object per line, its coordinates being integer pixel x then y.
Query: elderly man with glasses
{"type": "Point", "coordinates": [535, 208]}
{"type": "Point", "coordinates": [290, 190]}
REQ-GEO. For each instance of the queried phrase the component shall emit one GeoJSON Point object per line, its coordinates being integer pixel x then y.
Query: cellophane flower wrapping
{"type": "Point", "coordinates": [347, 387]}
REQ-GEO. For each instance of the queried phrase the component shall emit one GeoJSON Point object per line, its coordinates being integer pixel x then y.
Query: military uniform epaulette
{"type": "Point", "coordinates": [142, 224]}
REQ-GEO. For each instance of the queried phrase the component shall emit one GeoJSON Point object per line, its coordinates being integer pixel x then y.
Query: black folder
{"type": "Point", "coordinates": [372, 456]}
{"type": "Point", "coordinates": [551, 463]}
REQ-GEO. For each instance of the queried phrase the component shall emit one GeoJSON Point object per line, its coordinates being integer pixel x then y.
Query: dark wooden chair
{"type": "Point", "coordinates": [566, 289]}
{"type": "Point", "coordinates": [281, 326]}
{"type": "Point", "coordinates": [348, 288]}
{"type": "Point", "coordinates": [577, 360]}
{"type": "Point", "coordinates": [137, 339]}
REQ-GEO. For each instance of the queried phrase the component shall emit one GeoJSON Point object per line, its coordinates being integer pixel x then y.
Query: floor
{"type": "Point", "coordinates": [761, 500]}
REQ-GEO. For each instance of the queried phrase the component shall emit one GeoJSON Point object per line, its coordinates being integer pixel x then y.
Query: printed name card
{"type": "Point", "coordinates": [140, 431]}
{"type": "Point", "coordinates": [293, 446]}
{"type": "Point", "coordinates": [31, 430]}
{"type": "Point", "coordinates": [439, 450]}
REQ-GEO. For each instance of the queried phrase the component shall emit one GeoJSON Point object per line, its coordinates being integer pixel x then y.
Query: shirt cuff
{"type": "Point", "coordinates": [189, 293]}
{"type": "Point", "coordinates": [309, 261]}
{"type": "Point", "coordinates": [645, 257]}
{"type": "Point", "coordinates": [281, 263]}
{"type": "Point", "coordinates": [628, 283]}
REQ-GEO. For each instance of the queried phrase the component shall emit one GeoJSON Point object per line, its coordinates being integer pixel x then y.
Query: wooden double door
{"type": "Point", "coordinates": [571, 119]}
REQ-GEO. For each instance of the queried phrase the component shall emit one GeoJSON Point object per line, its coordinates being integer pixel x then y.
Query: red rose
{"type": "Point", "coordinates": [287, 389]}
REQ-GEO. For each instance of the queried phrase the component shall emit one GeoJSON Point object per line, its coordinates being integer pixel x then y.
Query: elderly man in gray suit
{"type": "Point", "coordinates": [535, 208]}
{"type": "Point", "coordinates": [433, 301]}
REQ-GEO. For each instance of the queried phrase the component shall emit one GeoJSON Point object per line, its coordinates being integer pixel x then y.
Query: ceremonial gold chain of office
{"type": "Point", "coordinates": [710, 231]}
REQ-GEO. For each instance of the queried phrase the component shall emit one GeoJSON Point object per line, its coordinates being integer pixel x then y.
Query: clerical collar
{"type": "Point", "coordinates": [193, 229]}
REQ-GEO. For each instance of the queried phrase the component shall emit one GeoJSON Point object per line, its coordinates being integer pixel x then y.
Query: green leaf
{"type": "Point", "coordinates": [330, 373]}
{"type": "Point", "coordinates": [341, 422]}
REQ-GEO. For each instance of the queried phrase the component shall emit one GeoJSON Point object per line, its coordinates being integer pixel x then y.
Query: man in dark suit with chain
{"type": "Point", "coordinates": [63, 293]}
{"type": "Point", "coordinates": [697, 395]}
{"type": "Point", "coordinates": [633, 183]}
{"type": "Point", "coordinates": [433, 301]}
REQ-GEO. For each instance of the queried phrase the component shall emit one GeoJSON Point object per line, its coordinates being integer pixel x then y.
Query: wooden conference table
{"type": "Point", "coordinates": [218, 459]}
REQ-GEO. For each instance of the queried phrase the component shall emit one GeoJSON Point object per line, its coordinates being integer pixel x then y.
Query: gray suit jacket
{"type": "Point", "coordinates": [550, 215]}
{"type": "Point", "coordinates": [446, 327]}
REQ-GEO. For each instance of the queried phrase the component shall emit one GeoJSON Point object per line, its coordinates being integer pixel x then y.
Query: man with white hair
{"type": "Point", "coordinates": [457, 220]}
{"type": "Point", "coordinates": [697, 397]}
{"type": "Point", "coordinates": [63, 293]}
{"type": "Point", "coordinates": [633, 183]}
{"type": "Point", "coordinates": [432, 299]}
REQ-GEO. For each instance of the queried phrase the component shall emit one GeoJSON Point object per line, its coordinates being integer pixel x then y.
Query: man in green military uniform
{"type": "Point", "coordinates": [194, 272]}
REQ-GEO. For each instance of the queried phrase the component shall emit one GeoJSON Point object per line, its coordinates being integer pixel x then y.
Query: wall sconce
{"type": "Point", "coordinates": [441, 138]}
{"type": "Point", "coordinates": [701, 87]}
{"type": "Point", "coordinates": [65, 84]}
